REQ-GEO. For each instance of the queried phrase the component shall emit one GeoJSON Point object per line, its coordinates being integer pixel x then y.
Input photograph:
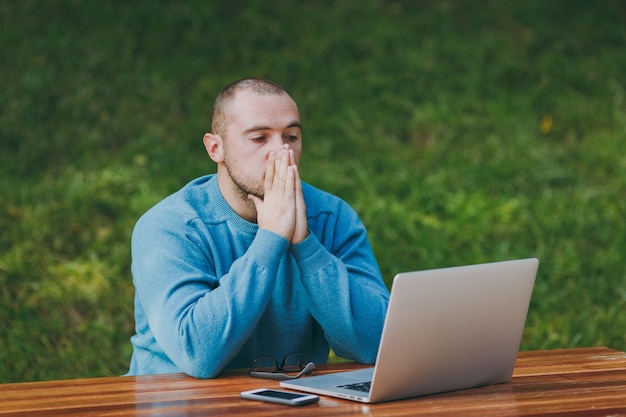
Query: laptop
{"type": "Point", "coordinates": [446, 329]}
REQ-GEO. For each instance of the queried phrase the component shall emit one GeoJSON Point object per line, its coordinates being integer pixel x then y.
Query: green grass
{"type": "Point", "coordinates": [461, 134]}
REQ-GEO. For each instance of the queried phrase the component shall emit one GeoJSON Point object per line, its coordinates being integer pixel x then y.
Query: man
{"type": "Point", "coordinates": [252, 261]}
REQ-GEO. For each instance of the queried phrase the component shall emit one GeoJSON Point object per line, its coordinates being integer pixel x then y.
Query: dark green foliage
{"type": "Point", "coordinates": [462, 132]}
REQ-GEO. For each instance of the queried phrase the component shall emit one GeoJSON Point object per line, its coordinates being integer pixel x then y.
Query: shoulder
{"type": "Point", "coordinates": [183, 206]}
{"type": "Point", "coordinates": [318, 199]}
{"type": "Point", "coordinates": [320, 203]}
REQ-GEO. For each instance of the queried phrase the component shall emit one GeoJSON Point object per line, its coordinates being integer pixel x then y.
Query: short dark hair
{"type": "Point", "coordinates": [257, 85]}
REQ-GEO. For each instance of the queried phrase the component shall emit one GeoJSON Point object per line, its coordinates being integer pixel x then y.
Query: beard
{"type": "Point", "coordinates": [244, 185]}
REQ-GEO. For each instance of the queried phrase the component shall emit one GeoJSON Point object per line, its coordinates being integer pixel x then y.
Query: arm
{"type": "Point", "coordinates": [346, 293]}
{"type": "Point", "coordinates": [200, 323]}
{"type": "Point", "coordinates": [345, 290]}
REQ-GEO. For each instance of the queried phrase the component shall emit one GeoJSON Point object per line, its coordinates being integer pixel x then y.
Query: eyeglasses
{"type": "Point", "coordinates": [267, 366]}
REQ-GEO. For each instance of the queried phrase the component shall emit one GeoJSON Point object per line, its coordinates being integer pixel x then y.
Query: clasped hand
{"type": "Point", "coordinates": [282, 210]}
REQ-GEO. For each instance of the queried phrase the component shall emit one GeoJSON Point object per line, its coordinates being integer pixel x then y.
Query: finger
{"type": "Point", "coordinates": [298, 181]}
{"type": "Point", "coordinates": [300, 205]}
{"type": "Point", "coordinates": [270, 170]}
{"type": "Point", "coordinates": [283, 167]}
{"type": "Point", "coordinates": [256, 200]}
{"type": "Point", "coordinates": [290, 181]}
{"type": "Point", "coordinates": [292, 157]}
{"type": "Point", "coordinates": [301, 230]}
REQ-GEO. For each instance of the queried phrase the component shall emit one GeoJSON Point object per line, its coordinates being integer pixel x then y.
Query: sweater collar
{"type": "Point", "coordinates": [218, 204]}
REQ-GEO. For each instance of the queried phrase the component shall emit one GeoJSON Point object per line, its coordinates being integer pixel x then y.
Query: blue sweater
{"type": "Point", "coordinates": [213, 291]}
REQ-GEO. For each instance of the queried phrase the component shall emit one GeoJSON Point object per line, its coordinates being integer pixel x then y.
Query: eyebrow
{"type": "Point", "coordinates": [259, 128]}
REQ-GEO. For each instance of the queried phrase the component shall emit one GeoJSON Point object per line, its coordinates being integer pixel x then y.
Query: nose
{"type": "Point", "coordinates": [282, 142]}
{"type": "Point", "coordinates": [278, 143]}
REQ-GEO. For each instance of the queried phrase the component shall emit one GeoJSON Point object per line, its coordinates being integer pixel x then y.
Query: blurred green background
{"type": "Point", "coordinates": [462, 132]}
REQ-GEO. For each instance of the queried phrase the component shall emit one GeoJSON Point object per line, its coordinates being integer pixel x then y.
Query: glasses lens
{"type": "Point", "coordinates": [295, 362]}
{"type": "Point", "coordinates": [265, 364]}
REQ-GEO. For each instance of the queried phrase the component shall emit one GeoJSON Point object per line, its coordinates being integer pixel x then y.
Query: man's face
{"type": "Point", "coordinates": [257, 125]}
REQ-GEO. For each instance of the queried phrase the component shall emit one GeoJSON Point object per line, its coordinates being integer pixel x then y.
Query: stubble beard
{"type": "Point", "coordinates": [244, 186]}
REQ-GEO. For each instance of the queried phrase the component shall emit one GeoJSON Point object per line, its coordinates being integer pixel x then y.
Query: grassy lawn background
{"type": "Point", "coordinates": [461, 133]}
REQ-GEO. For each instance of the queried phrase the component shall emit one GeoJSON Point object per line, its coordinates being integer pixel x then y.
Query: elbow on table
{"type": "Point", "coordinates": [367, 357]}
{"type": "Point", "coordinates": [198, 356]}
{"type": "Point", "coordinates": [198, 361]}
{"type": "Point", "coordinates": [200, 368]}
{"type": "Point", "coordinates": [364, 352]}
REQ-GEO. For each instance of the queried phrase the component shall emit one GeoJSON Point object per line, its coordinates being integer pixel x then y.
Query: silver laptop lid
{"type": "Point", "coordinates": [453, 328]}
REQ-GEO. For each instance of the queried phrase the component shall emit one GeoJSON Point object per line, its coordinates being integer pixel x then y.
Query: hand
{"type": "Point", "coordinates": [277, 211]}
{"type": "Point", "coordinates": [301, 230]}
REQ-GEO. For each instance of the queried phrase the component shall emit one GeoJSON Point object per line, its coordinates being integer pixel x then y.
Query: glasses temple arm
{"type": "Point", "coordinates": [282, 377]}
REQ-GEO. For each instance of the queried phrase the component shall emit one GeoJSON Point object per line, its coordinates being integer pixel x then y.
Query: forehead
{"type": "Point", "coordinates": [247, 109]}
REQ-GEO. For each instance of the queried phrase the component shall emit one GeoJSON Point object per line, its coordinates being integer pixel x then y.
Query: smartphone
{"type": "Point", "coordinates": [279, 397]}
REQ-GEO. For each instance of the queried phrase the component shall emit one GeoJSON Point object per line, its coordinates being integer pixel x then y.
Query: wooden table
{"type": "Point", "coordinates": [572, 382]}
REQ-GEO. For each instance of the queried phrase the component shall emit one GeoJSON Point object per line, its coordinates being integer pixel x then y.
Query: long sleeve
{"type": "Point", "coordinates": [201, 320]}
{"type": "Point", "coordinates": [345, 291]}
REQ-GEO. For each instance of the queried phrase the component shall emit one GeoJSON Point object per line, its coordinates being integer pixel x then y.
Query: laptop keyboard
{"type": "Point", "coordinates": [358, 386]}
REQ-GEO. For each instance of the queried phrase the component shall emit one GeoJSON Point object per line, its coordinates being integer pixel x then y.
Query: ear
{"type": "Point", "coordinates": [214, 146]}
